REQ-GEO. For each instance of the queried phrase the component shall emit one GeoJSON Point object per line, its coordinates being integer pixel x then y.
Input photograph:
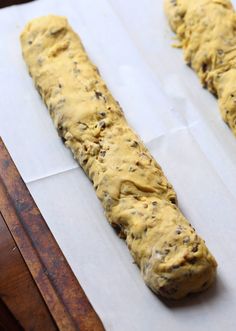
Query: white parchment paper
{"type": "Point", "coordinates": [130, 42]}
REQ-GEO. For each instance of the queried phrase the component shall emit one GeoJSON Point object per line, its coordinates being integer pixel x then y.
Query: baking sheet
{"type": "Point", "coordinates": [179, 122]}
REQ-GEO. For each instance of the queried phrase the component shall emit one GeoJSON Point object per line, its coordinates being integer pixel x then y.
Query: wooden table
{"type": "Point", "coordinates": [5, 3]}
{"type": "Point", "coordinates": [38, 290]}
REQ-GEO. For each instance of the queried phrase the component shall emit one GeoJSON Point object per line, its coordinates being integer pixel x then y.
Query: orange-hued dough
{"type": "Point", "coordinates": [137, 198]}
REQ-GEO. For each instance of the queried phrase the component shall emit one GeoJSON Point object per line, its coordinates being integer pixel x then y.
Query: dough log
{"type": "Point", "coordinates": [137, 198]}
{"type": "Point", "coordinates": [207, 33]}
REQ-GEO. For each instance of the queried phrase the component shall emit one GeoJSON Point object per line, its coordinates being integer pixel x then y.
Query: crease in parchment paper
{"type": "Point", "coordinates": [33, 180]}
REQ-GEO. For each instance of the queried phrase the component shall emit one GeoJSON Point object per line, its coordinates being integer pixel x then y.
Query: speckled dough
{"type": "Point", "coordinates": [207, 32]}
{"type": "Point", "coordinates": [137, 198]}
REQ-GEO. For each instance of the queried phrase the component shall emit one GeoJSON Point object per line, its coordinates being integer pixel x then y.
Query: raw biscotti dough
{"type": "Point", "coordinates": [207, 33]}
{"type": "Point", "coordinates": [137, 198]}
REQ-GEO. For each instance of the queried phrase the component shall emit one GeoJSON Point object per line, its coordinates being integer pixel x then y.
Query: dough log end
{"type": "Point", "coordinates": [179, 263]}
{"type": "Point", "coordinates": [169, 285]}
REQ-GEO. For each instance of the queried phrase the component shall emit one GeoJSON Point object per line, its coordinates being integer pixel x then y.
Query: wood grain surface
{"type": "Point", "coordinates": [54, 278]}
{"type": "Point", "coordinates": [5, 3]}
{"type": "Point", "coordinates": [18, 290]}
{"type": "Point", "coordinates": [7, 319]}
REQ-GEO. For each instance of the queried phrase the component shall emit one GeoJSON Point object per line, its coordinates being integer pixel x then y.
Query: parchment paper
{"type": "Point", "coordinates": [130, 42]}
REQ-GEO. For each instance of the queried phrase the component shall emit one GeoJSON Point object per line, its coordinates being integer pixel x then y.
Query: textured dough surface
{"type": "Point", "coordinates": [137, 198]}
{"type": "Point", "coordinates": [207, 32]}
